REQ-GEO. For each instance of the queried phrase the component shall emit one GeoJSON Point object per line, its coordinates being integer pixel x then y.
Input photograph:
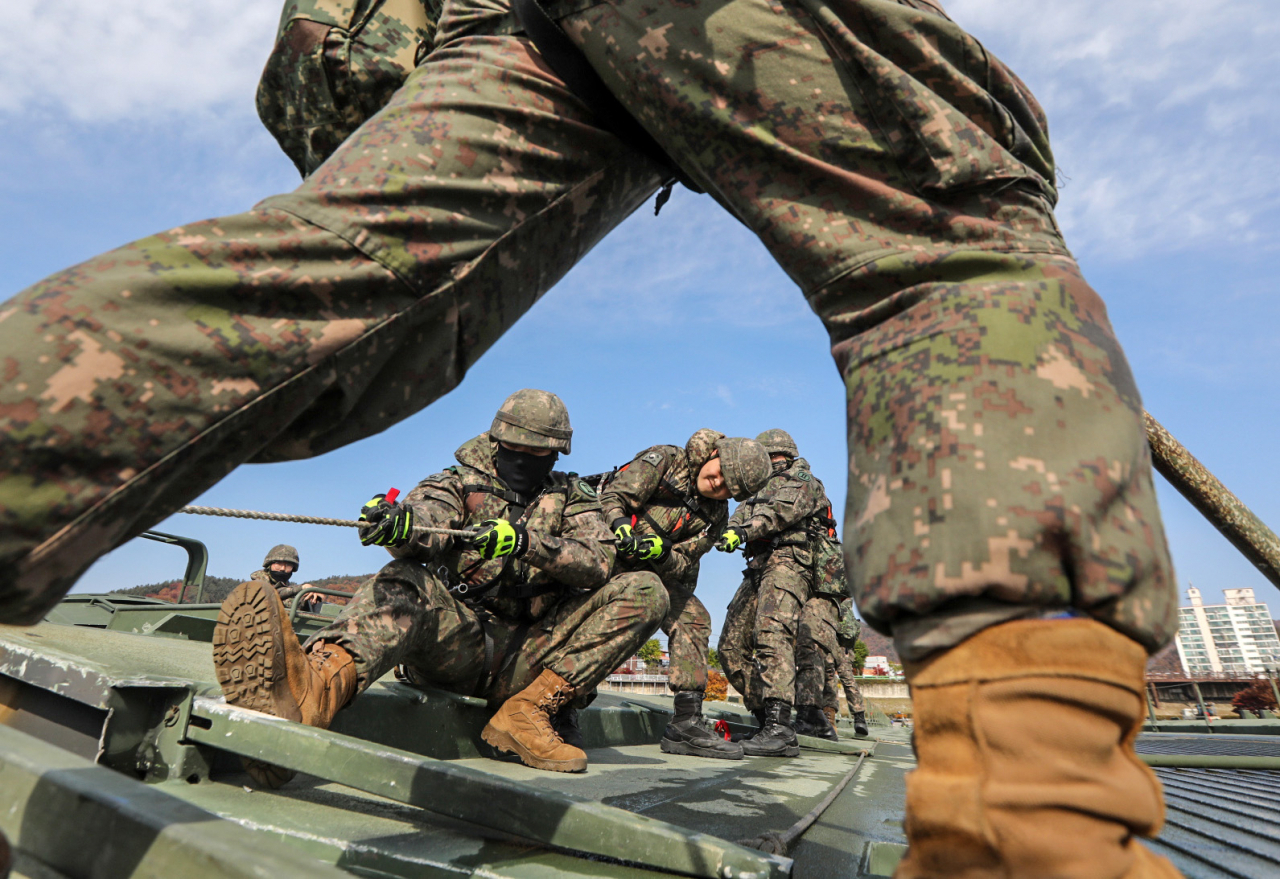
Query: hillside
{"type": "Point", "coordinates": [218, 588]}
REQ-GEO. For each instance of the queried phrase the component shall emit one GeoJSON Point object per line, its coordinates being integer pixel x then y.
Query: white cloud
{"type": "Point", "coordinates": [132, 59]}
{"type": "Point", "coordinates": [1164, 114]}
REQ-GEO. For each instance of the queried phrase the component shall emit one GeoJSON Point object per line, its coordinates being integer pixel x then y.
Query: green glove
{"type": "Point", "coordinates": [385, 524]}
{"type": "Point", "coordinates": [732, 538]}
{"type": "Point", "coordinates": [652, 548]}
{"type": "Point", "coordinates": [621, 529]}
{"type": "Point", "coordinates": [498, 537]}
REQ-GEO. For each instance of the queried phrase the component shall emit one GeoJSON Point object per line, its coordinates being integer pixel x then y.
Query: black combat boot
{"type": "Point", "coordinates": [687, 732]}
{"type": "Point", "coordinates": [777, 739]}
{"type": "Point", "coordinates": [810, 721]}
{"type": "Point", "coordinates": [758, 714]}
{"type": "Point", "coordinates": [860, 723]}
{"type": "Point", "coordinates": [565, 723]}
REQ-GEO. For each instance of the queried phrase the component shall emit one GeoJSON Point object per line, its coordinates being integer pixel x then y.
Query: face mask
{"type": "Point", "coordinates": [779, 466]}
{"type": "Point", "coordinates": [279, 576]}
{"type": "Point", "coordinates": [523, 472]}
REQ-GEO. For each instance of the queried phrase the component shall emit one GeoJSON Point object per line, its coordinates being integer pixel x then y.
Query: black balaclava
{"type": "Point", "coordinates": [279, 577]}
{"type": "Point", "coordinates": [523, 472]}
{"type": "Point", "coordinates": [780, 465]}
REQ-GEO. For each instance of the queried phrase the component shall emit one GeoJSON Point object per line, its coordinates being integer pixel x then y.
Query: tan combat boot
{"type": "Point", "coordinates": [523, 727]}
{"type": "Point", "coordinates": [831, 716]}
{"type": "Point", "coordinates": [1024, 735]}
{"type": "Point", "coordinates": [262, 667]}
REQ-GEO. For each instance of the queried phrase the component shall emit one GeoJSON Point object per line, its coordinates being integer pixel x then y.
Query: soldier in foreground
{"type": "Point", "coordinates": [667, 508]}
{"type": "Point", "coordinates": [824, 650]}
{"type": "Point", "coordinates": [524, 614]}
{"type": "Point", "coordinates": [782, 531]}
{"type": "Point", "coordinates": [1001, 521]}
{"type": "Point", "coordinates": [278, 567]}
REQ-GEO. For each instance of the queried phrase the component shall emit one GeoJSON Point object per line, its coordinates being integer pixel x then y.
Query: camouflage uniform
{"type": "Point", "coordinates": [488, 628]}
{"type": "Point", "coordinates": [659, 490]}
{"type": "Point", "coordinates": [786, 546]}
{"type": "Point", "coordinates": [898, 172]}
{"type": "Point", "coordinates": [823, 659]}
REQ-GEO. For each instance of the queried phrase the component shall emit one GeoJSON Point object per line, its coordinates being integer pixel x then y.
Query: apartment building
{"type": "Point", "coordinates": [1238, 636]}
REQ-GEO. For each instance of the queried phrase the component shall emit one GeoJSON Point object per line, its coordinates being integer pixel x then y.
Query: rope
{"type": "Point", "coordinates": [308, 520]}
{"type": "Point", "coordinates": [777, 843]}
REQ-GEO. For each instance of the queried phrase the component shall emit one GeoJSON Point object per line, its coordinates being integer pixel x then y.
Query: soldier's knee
{"type": "Point", "coordinates": [410, 577]}
{"type": "Point", "coordinates": [646, 592]}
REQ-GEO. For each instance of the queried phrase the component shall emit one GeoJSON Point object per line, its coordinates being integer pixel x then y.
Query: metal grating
{"type": "Point", "coordinates": [1213, 745]}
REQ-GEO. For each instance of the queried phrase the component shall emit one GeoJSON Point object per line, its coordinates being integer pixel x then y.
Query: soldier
{"type": "Point", "coordinates": [524, 613]}
{"type": "Point", "coordinates": [784, 531]}
{"type": "Point", "coordinates": [1001, 520]}
{"type": "Point", "coordinates": [667, 507]}
{"type": "Point", "coordinates": [823, 659]}
{"type": "Point", "coordinates": [280, 564]}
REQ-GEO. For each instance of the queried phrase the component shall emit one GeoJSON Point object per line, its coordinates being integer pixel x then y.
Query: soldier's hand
{"type": "Point", "coordinates": [732, 538]}
{"type": "Point", "coordinates": [374, 509]}
{"type": "Point", "coordinates": [621, 529]}
{"type": "Point", "coordinates": [498, 537]}
{"type": "Point", "coordinates": [392, 527]}
{"type": "Point", "coordinates": [651, 548]}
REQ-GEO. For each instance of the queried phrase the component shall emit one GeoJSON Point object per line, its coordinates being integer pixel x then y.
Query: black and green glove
{"type": "Point", "coordinates": [732, 539]}
{"type": "Point", "coordinates": [651, 548]}
{"type": "Point", "coordinates": [498, 537]}
{"type": "Point", "coordinates": [384, 524]}
{"type": "Point", "coordinates": [621, 529]}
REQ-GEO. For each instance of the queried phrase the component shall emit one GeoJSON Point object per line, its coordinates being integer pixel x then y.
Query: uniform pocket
{"type": "Point", "coordinates": [954, 116]}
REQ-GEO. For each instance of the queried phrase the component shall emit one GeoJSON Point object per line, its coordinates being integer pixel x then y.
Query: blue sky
{"type": "Point", "coordinates": [121, 119]}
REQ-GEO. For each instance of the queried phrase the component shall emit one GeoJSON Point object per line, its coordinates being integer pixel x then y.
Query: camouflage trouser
{"type": "Point", "coordinates": [688, 630]}
{"type": "Point", "coordinates": [405, 614]}
{"type": "Point", "coordinates": [895, 169]}
{"type": "Point", "coordinates": [821, 662]}
{"type": "Point", "coordinates": [758, 641]}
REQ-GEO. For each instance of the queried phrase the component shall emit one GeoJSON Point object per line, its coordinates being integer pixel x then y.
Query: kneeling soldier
{"type": "Point", "coordinates": [667, 508]}
{"type": "Point", "coordinates": [524, 613]}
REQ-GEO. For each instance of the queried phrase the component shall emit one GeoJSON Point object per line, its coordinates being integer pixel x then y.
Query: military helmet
{"type": "Point", "coordinates": [533, 418]}
{"type": "Point", "coordinates": [745, 465]}
{"type": "Point", "coordinates": [701, 448]}
{"type": "Point", "coordinates": [778, 442]}
{"type": "Point", "coordinates": [281, 553]}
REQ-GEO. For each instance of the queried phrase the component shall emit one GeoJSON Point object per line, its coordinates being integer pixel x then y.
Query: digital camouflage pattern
{"type": "Point", "coordinates": [778, 442]}
{"type": "Point", "coordinates": [821, 658]}
{"type": "Point", "coordinates": [284, 590]}
{"type": "Point", "coordinates": [639, 489]}
{"type": "Point", "coordinates": [282, 552]}
{"type": "Point", "coordinates": [744, 464]}
{"type": "Point", "coordinates": [335, 63]}
{"type": "Point", "coordinates": [554, 607]}
{"type": "Point", "coordinates": [533, 418]}
{"type": "Point", "coordinates": [897, 171]}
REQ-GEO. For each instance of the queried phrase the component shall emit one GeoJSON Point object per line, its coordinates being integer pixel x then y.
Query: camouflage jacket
{"type": "Point", "coordinates": [658, 491]}
{"type": "Point", "coordinates": [284, 590]}
{"type": "Point", "coordinates": [568, 541]}
{"type": "Point", "coordinates": [849, 629]}
{"type": "Point", "coordinates": [788, 516]}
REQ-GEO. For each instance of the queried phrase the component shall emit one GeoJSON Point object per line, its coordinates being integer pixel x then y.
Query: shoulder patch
{"type": "Point", "coordinates": [585, 488]}
{"type": "Point", "coordinates": [653, 458]}
{"type": "Point", "coordinates": [803, 475]}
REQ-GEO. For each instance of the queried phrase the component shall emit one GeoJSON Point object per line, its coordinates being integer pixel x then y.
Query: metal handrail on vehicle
{"type": "Point", "coordinates": [296, 601]}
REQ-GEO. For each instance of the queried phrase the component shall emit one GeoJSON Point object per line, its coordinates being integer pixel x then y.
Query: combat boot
{"type": "Point", "coordinates": [262, 667]}
{"type": "Point", "coordinates": [687, 732]}
{"type": "Point", "coordinates": [810, 721]}
{"type": "Point", "coordinates": [522, 726]}
{"type": "Point", "coordinates": [1024, 737]}
{"type": "Point", "coordinates": [565, 723]}
{"type": "Point", "coordinates": [830, 714]}
{"type": "Point", "coordinates": [777, 739]}
{"type": "Point", "coordinates": [860, 723]}
{"type": "Point", "coordinates": [758, 714]}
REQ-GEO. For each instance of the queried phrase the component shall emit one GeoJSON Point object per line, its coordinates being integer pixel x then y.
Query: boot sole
{"type": "Point", "coordinates": [250, 667]}
{"type": "Point", "coordinates": [788, 751]}
{"type": "Point", "coordinates": [682, 748]}
{"type": "Point", "coordinates": [503, 741]}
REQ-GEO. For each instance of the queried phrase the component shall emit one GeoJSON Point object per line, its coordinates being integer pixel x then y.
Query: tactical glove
{"type": "Point", "coordinates": [386, 524]}
{"type": "Point", "coordinates": [651, 548]}
{"type": "Point", "coordinates": [498, 537]}
{"type": "Point", "coordinates": [732, 538]}
{"type": "Point", "coordinates": [621, 529]}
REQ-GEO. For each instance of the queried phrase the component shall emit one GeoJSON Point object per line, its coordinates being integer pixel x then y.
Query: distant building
{"type": "Point", "coordinates": [1238, 636]}
{"type": "Point", "coordinates": [876, 665]}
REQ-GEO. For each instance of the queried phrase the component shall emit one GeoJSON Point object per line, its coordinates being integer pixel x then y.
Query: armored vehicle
{"type": "Point", "coordinates": [119, 758]}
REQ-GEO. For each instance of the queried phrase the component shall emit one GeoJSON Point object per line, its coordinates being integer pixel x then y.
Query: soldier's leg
{"type": "Point", "coordinates": [810, 658]}
{"type": "Point", "coordinates": [688, 630]}
{"type": "Point", "coordinates": [830, 689]}
{"type": "Point", "coordinates": [784, 588]}
{"type": "Point", "coordinates": [843, 664]}
{"type": "Point", "coordinates": [736, 646]}
{"type": "Point", "coordinates": [139, 378]}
